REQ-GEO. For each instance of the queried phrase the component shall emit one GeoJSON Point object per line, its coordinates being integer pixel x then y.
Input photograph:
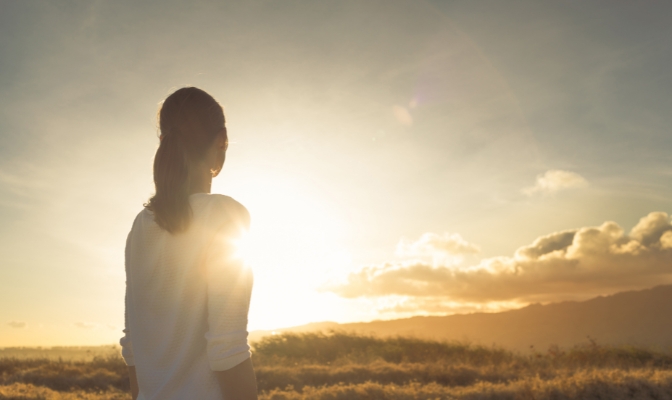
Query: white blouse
{"type": "Point", "coordinates": [187, 300]}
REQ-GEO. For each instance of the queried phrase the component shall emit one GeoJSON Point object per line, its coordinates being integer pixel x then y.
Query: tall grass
{"type": "Point", "coordinates": [342, 347]}
{"type": "Point", "coordinates": [338, 365]}
{"type": "Point", "coordinates": [102, 373]}
{"type": "Point", "coordinates": [584, 385]}
{"type": "Point", "coordinates": [26, 391]}
{"type": "Point", "coordinates": [325, 348]}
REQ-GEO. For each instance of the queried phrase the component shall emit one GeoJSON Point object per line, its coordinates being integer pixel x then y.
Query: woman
{"type": "Point", "coordinates": [187, 295]}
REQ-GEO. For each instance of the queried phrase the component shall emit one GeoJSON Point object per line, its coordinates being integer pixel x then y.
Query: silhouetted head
{"type": "Point", "coordinates": [191, 151]}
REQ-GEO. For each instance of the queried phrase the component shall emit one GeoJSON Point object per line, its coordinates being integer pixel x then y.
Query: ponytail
{"type": "Point", "coordinates": [189, 120]}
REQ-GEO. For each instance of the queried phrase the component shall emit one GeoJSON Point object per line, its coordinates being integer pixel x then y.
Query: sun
{"type": "Point", "coordinates": [293, 245]}
{"type": "Point", "coordinates": [243, 248]}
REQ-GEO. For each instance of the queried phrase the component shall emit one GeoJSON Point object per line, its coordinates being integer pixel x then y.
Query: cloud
{"type": "Point", "coordinates": [17, 324]}
{"type": "Point", "coordinates": [567, 264]}
{"type": "Point", "coordinates": [448, 248]}
{"type": "Point", "coordinates": [428, 305]}
{"type": "Point", "coordinates": [86, 325]}
{"type": "Point", "coordinates": [555, 180]}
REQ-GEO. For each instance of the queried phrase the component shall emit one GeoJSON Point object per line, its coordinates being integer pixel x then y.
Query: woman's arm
{"type": "Point", "coordinates": [239, 382]}
{"type": "Point", "coordinates": [134, 382]}
{"type": "Point", "coordinates": [229, 286]}
{"type": "Point", "coordinates": [126, 342]}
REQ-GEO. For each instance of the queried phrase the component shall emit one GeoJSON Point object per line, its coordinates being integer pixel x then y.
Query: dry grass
{"type": "Point", "coordinates": [72, 353]}
{"type": "Point", "coordinates": [338, 365]}
{"type": "Point", "coordinates": [100, 374]}
{"type": "Point", "coordinates": [605, 384]}
{"type": "Point", "coordinates": [26, 391]}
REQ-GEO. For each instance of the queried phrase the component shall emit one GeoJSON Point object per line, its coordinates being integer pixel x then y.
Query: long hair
{"type": "Point", "coordinates": [189, 121]}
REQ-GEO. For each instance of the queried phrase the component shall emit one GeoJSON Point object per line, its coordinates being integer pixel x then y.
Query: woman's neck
{"type": "Point", "coordinates": [200, 182]}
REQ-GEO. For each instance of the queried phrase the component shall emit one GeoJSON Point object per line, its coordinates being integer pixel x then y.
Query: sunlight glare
{"type": "Point", "coordinates": [295, 241]}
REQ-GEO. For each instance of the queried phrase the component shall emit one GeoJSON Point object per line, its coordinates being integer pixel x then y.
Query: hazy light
{"type": "Point", "coordinates": [403, 115]}
{"type": "Point", "coordinates": [293, 245]}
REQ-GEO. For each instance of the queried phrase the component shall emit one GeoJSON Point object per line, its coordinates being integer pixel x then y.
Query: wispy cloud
{"type": "Point", "coordinates": [556, 180]}
{"type": "Point", "coordinates": [432, 243]}
{"type": "Point", "coordinates": [21, 187]}
{"type": "Point", "coordinates": [86, 325]}
{"type": "Point", "coordinates": [578, 262]}
{"type": "Point", "coordinates": [17, 324]}
{"type": "Point", "coordinates": [428, 305]}
{"type": "Point", "coordinates": [445, 249]}
{"type": "Point", "coordinates": [22, 184]}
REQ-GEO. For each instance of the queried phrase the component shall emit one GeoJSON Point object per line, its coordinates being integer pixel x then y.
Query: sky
{"type": "Point", "coordinates": [397, 158]}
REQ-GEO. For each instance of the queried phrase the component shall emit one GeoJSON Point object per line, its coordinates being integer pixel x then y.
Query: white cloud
{"type": "Point", "coordinates": [17, 324]}
{"type": "Point", "coordinates": [555, 180]}
{"type": "Point", "coordinates": [567, 264]}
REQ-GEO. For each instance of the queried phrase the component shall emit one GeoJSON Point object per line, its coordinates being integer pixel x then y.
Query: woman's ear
{"type": "Point", "coordinates": [222, 139]}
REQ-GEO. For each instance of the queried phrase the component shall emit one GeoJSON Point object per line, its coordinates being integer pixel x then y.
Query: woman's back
{"type": "Point", "coordinates": [186, 301]}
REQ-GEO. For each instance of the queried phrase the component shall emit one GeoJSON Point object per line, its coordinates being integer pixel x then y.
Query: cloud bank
{"type": "Point", "coordinates": [578, 262]}
{"type": "Point", "coordinates": [556, 180]}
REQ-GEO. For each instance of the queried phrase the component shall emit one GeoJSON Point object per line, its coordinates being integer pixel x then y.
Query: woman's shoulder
{"type": "Point", "coordinates": [145, 215]}
{"type": "Point", "coordinates": [218, 201]}
{"type": "Point", "coordinates": [219, 207]}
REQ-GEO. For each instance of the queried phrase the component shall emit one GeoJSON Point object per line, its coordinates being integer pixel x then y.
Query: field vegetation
{"type": "Point", "coordinates": [338, 365]}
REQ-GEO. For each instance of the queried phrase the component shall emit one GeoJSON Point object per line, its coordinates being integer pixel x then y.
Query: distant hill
{"type": "Point", "coordinates": [641, 318]}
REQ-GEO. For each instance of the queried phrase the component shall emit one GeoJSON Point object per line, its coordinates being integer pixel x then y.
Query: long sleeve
{"type": "Point", "coordinates": [187, 299]}
{"type": "Point", "coordinates": [125, 341]}
{"type": "Point", "coordinates": [229, 283]}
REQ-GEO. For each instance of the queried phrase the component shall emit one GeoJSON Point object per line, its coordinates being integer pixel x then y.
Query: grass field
{"type": "Point", "coordinates": [346, 366]}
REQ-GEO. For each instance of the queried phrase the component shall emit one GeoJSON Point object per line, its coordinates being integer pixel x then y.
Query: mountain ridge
{"type": "Point", "coordinates": [637, 317]}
